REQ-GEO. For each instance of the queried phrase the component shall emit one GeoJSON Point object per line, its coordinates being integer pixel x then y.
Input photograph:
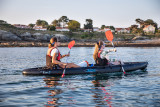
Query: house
{"type": "Point", "coordinates": [62, 29]}
{"type": "Point", "coordinates": [149, 29]}
{"type": "Point", "coordinates": [87, 30]}
{"type": "Point", "coordinates": [21, 26]}
{"type": "Point", "coordinates": [105, 29]}
{"type": "Point", "coordinates": [39, 28]}
{"type": "Point", "coordinates": [95, 29]}
{"type": "Point", "coordinates": [122, 30]}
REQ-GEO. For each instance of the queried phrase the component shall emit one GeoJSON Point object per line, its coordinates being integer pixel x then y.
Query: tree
{"type": "Point", "coordinates": [55, 23]}
{"type": "Point", "coordinates": [103, 26]}
{"type": "Point", "coordinates": [31, 25]}
{"type": "Point", "coordinates": [150, 22]}
{"type": "Point", "coordinates": [42, 23]}
{"type": "Point", "coordinates": [141, 22]}
{"type": "Point", "coordinates": [89, 24]}
{"type": "Point", "coordinates": [73, 25]}
{"type": "Point", "coordinates": [64, 20]}
{"type": "Point", "coordinates": [51, 28]}
{"type": "Point", "coordinates": [3, 22]}
{"type": "Point", "coordinates": [133, 27]}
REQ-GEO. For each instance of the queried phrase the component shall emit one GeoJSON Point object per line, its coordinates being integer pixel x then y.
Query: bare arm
{"type": "Point", "coordinates": [55, 61]}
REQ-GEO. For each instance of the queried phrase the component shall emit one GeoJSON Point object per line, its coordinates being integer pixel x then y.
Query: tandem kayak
{"type": "Point", "coordinates": [128, 66]}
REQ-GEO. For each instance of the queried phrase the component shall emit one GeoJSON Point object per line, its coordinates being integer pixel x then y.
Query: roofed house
{"type": "Point", "coordinates": [149, 29]}
{"type": "Point", "coordinates": [87, 30]}
{"type": "Point", "coordinates": [21, 26]}
{"type": "Point", "coordinates": [39, 28]}
{"type": "Point", "coordinates": [62, 29]}
{"type": "Point", "coordinates": [122, 30]}
{"type": "Point", "coordinates": [95, 29]}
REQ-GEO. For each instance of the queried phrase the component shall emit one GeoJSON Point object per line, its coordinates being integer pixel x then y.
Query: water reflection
{"type": "Point", "coordinates": [101, 93]}
{"type": "Point", "coordinates": [52, 83]}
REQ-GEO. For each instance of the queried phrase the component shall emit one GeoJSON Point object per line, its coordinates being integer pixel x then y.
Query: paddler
{"type": "Point", "coordinates": [100, 55]}
{"type": "Point", "coordinates": [53, 56]}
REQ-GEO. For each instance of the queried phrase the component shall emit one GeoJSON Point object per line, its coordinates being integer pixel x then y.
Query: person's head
{"type": "Point", "coordinates": [98, 46]}
{"type": "Point", "coordinates": [53, 42]}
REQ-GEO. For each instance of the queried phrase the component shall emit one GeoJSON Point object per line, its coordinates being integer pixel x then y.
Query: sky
{"type": "Point", "coordinates": [117, 13]}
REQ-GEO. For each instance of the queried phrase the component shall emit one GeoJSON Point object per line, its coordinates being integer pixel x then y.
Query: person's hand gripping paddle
{"type": "Point", "coordinates": [109, 36]}
{"type": "Point", "coordinates": [70, 45]}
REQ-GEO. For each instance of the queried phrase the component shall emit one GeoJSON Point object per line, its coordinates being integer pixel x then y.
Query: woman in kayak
{"type": "Point", "coordinates": [100, 56]}
{"type": "Point", "coordinates": [53, 56]}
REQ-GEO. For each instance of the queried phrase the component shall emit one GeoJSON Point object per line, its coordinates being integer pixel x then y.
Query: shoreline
{"type": "Point", "coordinates": [151, 43]}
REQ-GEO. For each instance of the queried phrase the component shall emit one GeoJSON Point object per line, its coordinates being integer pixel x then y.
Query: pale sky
{"type": "Point", "coordinates": [118, 13]}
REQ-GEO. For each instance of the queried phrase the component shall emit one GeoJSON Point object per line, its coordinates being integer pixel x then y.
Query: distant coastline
{"type": "Point", "coordinates": [149, 43]}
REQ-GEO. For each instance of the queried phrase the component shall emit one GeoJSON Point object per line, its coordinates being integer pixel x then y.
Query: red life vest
{"type": "Point", "coordinates": [99, 53]}
{"type": "Point", "coordinates": [49, 53]}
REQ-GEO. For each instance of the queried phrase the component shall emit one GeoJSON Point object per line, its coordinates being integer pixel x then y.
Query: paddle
{"type": "Point", "coordinates": [70, 45]}
{"type": "Point", "coordinates": [109, 36]}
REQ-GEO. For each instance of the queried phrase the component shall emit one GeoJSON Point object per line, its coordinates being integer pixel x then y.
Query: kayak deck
{"type": "Point", "coordinates": [128, 66]}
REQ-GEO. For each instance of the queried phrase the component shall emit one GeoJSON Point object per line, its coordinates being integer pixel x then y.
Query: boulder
{"type": "Point", "coordinates": [8, 36]}
{"type": "Point", "coordinates": [39, 37]}
{"type": "Point", "coordinates": [62, 37]}
{"type": "Point", "coordinates": [48, 36]}
{"type": "Point", "coordinates": [27, 37]}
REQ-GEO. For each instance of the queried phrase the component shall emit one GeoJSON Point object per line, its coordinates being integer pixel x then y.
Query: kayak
{"type": "Point", "coordinates": [128, 66]}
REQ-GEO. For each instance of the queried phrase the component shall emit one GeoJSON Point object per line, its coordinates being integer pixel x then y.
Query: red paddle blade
{"type": "Point", "coordinates": [71, 44]}
{"type": "Point", "coordinates": [109, 35]}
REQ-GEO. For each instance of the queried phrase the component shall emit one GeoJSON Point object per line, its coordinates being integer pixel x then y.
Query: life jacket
{"type": "Point", "coordinates": [49, 57]}
{"type": "Point", "coordinates": [99, 53]}
{"type": "Point", "coordinates": [100, 61]}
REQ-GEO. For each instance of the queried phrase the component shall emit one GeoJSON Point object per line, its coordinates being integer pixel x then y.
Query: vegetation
{"type": "Point", "coordinates": [76, 33]}
{"type": "Point", "coordinates": [73, 25]}
{"type": "Point", "coordinates": [89, 24]}
{"type": "Point", "coordinates": [42, 23]}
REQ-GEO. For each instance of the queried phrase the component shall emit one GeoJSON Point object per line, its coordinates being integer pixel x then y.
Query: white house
{"type": "Point", "coordinates": [149, 29]}
{"type": "Point", "coordinates": [62, 29]}
{"type": "Point", "coordinates": [87, 30]}
{"type": "Point", "coordinates": [95, 29]}
{"type": "Point", "coordinates": [21, 26]}
{"type": "Point", "coordinates": [122, 30]}
{"type": "Point", "coordinates": [39, 28]}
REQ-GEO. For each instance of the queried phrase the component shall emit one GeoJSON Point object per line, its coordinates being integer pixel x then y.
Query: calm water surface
{"type": "Point", "coordinates": [135, 89]}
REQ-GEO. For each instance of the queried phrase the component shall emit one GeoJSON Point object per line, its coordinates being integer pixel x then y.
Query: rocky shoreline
{"type": "Point", "coordinates": [8, 39]}
{"type": "Point", "coordinates": [151, 43]}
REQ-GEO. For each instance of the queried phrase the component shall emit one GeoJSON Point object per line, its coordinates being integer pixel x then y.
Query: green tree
{"type": "Point", "coordinates": [103, 26]}
{"type": "Point", "coordinates": [140, 21]}
{"type": "Point", "coordinates": [42, 23]}
{"type": "Point", "coordinates": [89, 24]}
{"type": "Point", "coordinates": [55, 23]}
{"type": "Point", "coordinates": [31, 25]}
{"type": "Point", "coordinates": [3, 22]}
{"type": "Point", "coordinates": [150, 22]}
{"type": "Point", "coordinates": [64, 20]}
{"type": "Point", "coordinates": [51, 28]}
{"type": "Point", "coordinates": [73, 25]}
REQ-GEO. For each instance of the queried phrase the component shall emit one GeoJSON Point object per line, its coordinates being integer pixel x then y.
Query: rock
{"type": "Point", "coordinates": [39, 37]}
{"type": "Point", "coordinates": [27, 37]}
{"type": "Point", "coordinates": [48, 36]}
{"type": "Point", "coordinates": [140, 38]}
{"type": "Point", "coordinates": [62, 37]}
{"type": "Point", "coordinates": [8, 36]}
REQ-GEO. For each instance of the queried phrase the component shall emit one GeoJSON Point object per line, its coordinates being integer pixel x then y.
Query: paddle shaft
{"type": "Point", "coordinates": [66, 65]}
{"type": "Point", "coordinates": [120, 59]}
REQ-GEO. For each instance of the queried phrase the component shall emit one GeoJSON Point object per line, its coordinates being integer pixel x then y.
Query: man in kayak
{"type": "Point", "coordinates": [53, 56]}
{"type": "Point", "coordinates": [100, 56]}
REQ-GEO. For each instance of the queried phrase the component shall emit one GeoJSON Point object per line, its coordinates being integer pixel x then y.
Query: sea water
{"type": "Point", "coordinates": [138, 88]}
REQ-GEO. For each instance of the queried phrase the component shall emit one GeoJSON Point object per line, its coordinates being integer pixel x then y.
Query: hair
{"type": "Point", "coordinates": [97, 48]}
{"type": "Point", "coordinates": [52, 42]}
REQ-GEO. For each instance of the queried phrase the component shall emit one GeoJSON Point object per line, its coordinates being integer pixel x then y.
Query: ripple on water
{"type": "Point", "coordinates": [133, 89]}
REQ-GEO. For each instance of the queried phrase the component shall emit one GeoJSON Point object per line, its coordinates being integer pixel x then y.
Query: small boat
{"type": "Point", "coordinates": [128, 66]}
